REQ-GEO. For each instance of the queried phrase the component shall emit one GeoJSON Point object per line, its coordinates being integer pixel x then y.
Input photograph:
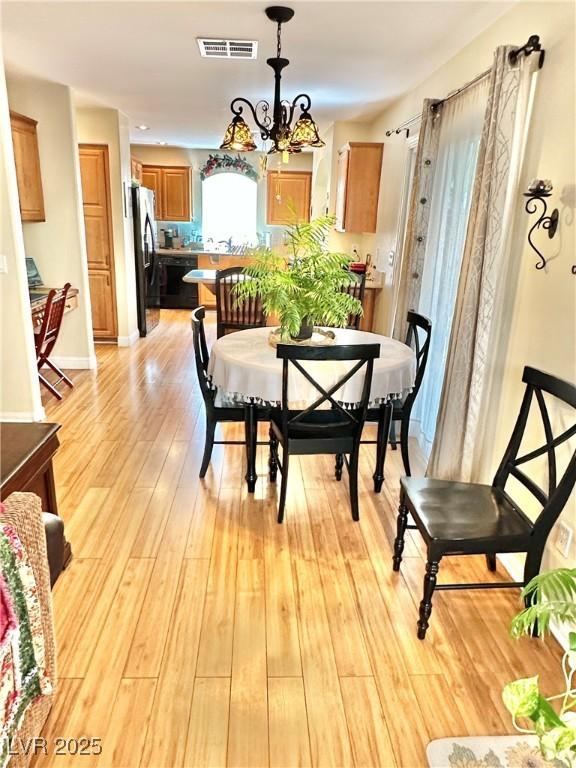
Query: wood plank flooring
{"type": "Point", "coordinates": [195, 631]}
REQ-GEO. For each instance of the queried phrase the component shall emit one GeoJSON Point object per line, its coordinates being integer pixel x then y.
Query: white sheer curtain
{"type": "Point", "coordinates": [461, 127]}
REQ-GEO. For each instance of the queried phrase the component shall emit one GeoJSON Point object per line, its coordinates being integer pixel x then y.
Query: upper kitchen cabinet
{"type": "Point", "coordinates": [176, 194]}
{"type": "Point", "coordinates": [171, 187]}
{"type": "Point", "coordinates": [27, 160]}
{"type": "Point", "coordinates": [288, 195]}
{"type": "Point", "coordinates": [151, 178]}
{"type": "Point", "coordinates": [358, 186]}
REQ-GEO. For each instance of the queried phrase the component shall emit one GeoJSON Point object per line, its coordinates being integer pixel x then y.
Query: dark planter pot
{"type": "Point", "coordinates": [306, 330]}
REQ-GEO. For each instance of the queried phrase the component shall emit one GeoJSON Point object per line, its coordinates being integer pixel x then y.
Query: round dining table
{"type": "Point", "coordinates": [244, 368]}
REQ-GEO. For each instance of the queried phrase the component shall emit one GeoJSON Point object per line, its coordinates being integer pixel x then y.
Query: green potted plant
{"type": "Point", "coordinates": [304, 288]}
{"type": "Point", "coordinates": [552, 597]}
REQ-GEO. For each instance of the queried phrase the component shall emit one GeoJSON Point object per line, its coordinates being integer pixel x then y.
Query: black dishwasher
{"type": "Point", "coordinates": [174, 293]}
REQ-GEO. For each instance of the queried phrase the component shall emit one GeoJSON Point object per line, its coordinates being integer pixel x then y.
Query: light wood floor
{"type": "Point", "coordinates": [193, 630]}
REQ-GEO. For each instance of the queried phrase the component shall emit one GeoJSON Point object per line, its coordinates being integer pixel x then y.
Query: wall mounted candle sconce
{"type": "Point", "coordinates": [538, 191]}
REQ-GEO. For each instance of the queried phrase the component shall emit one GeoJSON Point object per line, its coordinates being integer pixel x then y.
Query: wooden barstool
{"type": "Point", "coordinates": [47, 337]}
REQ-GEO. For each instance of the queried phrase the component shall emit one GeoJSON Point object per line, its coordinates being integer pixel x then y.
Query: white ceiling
{"type": "Point", "coordinates": [142, 57]}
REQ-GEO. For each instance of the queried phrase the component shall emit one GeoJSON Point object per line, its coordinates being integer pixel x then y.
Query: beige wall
{"type": "Point", "coordinates": [110, 127]}
{"type": "Point", "coordinates": [541, 313]}
{"type": "Point", "coordinates": [19, 386]}
{"type": "Point", "coordinates": [58, 244]}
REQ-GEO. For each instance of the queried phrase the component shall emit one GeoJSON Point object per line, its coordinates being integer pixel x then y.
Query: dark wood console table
{"type": "Point", "coordinates": [26, 451]}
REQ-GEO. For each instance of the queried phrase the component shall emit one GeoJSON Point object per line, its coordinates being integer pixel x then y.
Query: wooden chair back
{"type": "Point", "coordinates": [356, 290]}
{"type": "Point", "coordinates": [418, 338]}
{"type": "Point", "coordinates": [232, 315]}
{"type": "Point", "coordinates": [558, 490]}
{"type": "Point", "coordinates": [321, 422]}
{"type": "Point", "coordinates": [47, 336]}
{"type": "Point", "coordinates": [201, 355]}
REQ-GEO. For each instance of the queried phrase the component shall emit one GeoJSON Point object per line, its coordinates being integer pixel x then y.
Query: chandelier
{"type": "Point", "coordinates": [276, 127]}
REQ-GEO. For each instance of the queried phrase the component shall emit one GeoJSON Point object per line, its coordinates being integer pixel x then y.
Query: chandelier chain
{"type": "Point", "coordinates": [279, 40]}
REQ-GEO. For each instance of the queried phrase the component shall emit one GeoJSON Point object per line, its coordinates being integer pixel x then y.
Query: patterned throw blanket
{"type": "Point", "coordinates": [23, 674]}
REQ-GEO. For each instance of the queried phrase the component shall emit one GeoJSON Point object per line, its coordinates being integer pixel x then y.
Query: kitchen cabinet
{"type": "Point", "coordinates": [136, 172]}
{"type": "Point", "coordinates": [95, 177]}
{"type": "Point", "coordinates": [288, 197]}
{"type": "Point", "coordinates": [27, 161]}
{"type": "Point", "coordinates": [151, 178]}
{"type": "Point", "coordinates": [358, 186]}
{"type": "Point", "coordinates": [171, 187]}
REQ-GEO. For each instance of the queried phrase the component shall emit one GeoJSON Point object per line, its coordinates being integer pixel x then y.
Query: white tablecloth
{"type": "Point", "coordinates": [244, 367]}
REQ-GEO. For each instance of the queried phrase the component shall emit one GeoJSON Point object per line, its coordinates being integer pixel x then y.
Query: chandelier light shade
{"type": "Point", "coordinates": [238, 136]}
{"type": "Point", "coordinates": [277, 126]}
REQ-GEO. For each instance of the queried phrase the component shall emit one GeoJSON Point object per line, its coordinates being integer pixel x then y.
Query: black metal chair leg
{"type": "Point", "coordinates": [283, 486]}
{"type": "Point", "coordinates": [426, 604]}
{"type": "Point", "coordinates": [401, 523]}
{"type": "Point", "coordinates": [531, 569]}
{"type": "Point", "coordinates": [208, 445]}
{"type": "Point", "coordinates": [339, 463]}
{"type": "Point", "coordinates": [491, 562]}
{"type": "Point", "coordinates": [381, 443]}
{"type": "Point", "coordinates": [251, 432]}
{"type": "Point", "coordinates": [353, 482]}
{"type": "Point", "coordinates": [404, 428]}
{"type": "Point", "coordinates": [272, 459]}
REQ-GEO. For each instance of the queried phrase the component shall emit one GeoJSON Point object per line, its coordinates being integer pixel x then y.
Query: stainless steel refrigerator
{"type": "Point", "coordinates": [147, 270]}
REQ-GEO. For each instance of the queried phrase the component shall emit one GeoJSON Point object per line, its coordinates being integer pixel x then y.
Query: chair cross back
{"type": "Point", "coordinates": [363, 354]}
{"type": "Point", "coordinates": [201, 356]}
{"type": "Point", "coordinates": [553, 499]}
{"type": "Point", "coordinates": [421, 348]}
{"type": "Point", "coordinates": [231, 314]}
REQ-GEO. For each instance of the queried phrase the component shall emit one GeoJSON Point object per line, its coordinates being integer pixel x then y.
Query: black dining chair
{"type": "Point", "coordinates": [317, 430]}
{"type": "Point", "coordinates": [356, 290]}
{"type": "Point", "coordinates": [214, 414]}
{"type": "Point", "coordinates": [418, 337]}
{"type": "Point", "coordinates": [470, 519]}
{"type": "Point", "coordinates": [232, 315]}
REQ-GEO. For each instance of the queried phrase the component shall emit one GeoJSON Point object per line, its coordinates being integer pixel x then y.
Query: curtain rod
{"type": "Point", "coordinates": [532, 45]}
{"type": "Point", "coordinates": [405, 126]}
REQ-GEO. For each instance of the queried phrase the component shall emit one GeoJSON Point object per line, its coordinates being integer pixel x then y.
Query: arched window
{"type": "Point", "coordinates": [229, 202]}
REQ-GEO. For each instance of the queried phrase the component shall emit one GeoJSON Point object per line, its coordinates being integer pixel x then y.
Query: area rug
{"type": "Point", "coordinates": [487, 752]}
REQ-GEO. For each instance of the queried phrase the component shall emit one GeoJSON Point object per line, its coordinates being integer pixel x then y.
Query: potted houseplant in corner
{"type": "Point", "coordinates": [551, 597]}
{"type": "Point", "coordinates": [304, 288]}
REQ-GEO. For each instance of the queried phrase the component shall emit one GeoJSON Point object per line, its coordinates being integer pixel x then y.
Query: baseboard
{"type": "Point", "coordinates": [127, 341]}
{"type": "Point", "coordinates": [515, 569]}
{"type": "Point", "coordinates": [23, 416]}
{"type": "Point", "coordinates": [75, 363]}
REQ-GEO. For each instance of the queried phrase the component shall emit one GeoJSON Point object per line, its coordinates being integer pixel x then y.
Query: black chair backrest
{"type": "Point", "coordinates": [232, 315]}
{"type": "Point", "coordinates": [363, 354]}
{"type": "Point", "coordinates": [201, 354]}
{"type": "Point", "coordinates": [54, 308]}
{"type": "Point", "coordinates": [356, 290]}
{"type": "Point", "coordinates": [418, 337]}
{"type": "Point", "coordinates": [558, 491]}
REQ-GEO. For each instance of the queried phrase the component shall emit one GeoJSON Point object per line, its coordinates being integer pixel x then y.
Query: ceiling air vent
{"type": "Point", "coordinates": [215, 48]}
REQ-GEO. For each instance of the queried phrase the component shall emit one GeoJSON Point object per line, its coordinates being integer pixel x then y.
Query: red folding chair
{"type": "Point", "coordinates": [47, 336]}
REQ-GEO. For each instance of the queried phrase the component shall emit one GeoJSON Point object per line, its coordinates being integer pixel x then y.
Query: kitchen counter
{"type": "Point", "coordinates": [201, 252]}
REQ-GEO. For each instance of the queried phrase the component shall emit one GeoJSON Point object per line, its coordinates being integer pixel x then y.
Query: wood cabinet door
{"type": "Point", "coordinates": [152, 179]}
{"type": "Point", "coordinates": [288, 197]}
{"type": "Point", "coordinates": [99, 246]}
{"type": "Point", "coordinates": [94, 176]}
{"type": "Point", "coordinates": [103, 314]}
{"type": "Point", "coordinates": [27, 161]}
{"type": "Point", "coordinates": [176, 194]}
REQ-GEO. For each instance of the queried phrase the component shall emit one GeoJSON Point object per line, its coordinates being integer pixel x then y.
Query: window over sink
{"type": "Point", "coordinates": [229, 207]}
